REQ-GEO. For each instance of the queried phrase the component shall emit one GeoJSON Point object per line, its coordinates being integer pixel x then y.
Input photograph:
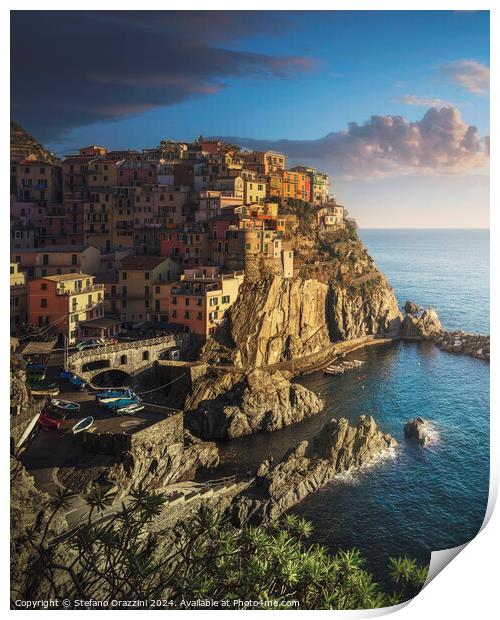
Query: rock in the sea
{"type": "Point", "coordinates": [411, 307]}
{"type": "Point", "coordinates": [422, 325]}
{"type": "Point", "coordinates": [258, 401]}
{"type": "Point", "coordinates": [337, 448]}
{"type": "Point", "coordinates": [418, 428]}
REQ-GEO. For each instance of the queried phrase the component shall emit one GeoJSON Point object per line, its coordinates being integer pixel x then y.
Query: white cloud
{"type": "Point", "coordinates": [427, 102]}
{"type": "Point", "coordinates": [469, 74]}
{"type": "Point", "coordinates": [440, 143]}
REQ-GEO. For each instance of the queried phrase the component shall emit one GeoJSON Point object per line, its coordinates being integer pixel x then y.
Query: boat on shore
{"type": "Point", "coordinates": [129, 409]}
{"type": "Point", "coordinates": [112, 395]}
{"type": "Point", "coordinates": [42, 388]}
{"type": "Point", "coordinates": [83, 425]}
{"type": "Point", "coordinates": [122, 402]}
{"type": "Point", "coordinates": [45, 421]}
{"type": "Point", "coordinates": [67, 406]}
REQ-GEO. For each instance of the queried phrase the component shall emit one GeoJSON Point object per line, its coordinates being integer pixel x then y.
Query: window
{"type": "Point", "coordinates": [45, 259]}
{"type": "Point", "coordinates": [214, 301]}
{"type": "Point", "coordinates": [225, 299]}
{"type": "Point", "coordinates": [146, 275]}
{"type": "Point", "coordinates": [174, 314]}
{"type": "Point", "coordinates": [186, 314]}
{"type": "Point", "coordinates": [124, 275]}
{"type": "Point", "coordinates": [43, 303]}
{"type": "Point", "coordinates": [123, 360]}
{"type": "Point", "coordinates": [199, 316]}
{"type": "Point", "coordinates": [74, 259]}
{"type": "Point", "coordinates": [186, 301]}
{"type": "Point", "coordinates": [145, 356]}
{"type": "Point", "coordinates": [12, 270]}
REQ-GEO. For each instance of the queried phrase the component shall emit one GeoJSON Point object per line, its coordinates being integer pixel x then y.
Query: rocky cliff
{"type": "Point", "coordinates": [22, 144]}
{"type": "Point", "coordinates": [224, 405]}
{"type": "Point", "coordinates": [339, 447]}
{"type": "Point", "coordinates": [275, 319]}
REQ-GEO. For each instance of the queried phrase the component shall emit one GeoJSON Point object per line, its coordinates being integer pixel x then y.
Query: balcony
{"type": "Point", "coordinates": [89, 289]}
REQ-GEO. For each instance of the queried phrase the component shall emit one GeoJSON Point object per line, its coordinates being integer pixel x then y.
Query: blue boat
{"type": "Point", "coordinates": [66, 375]}
{"type": "Point", "coordinates": [110, 395]}
{"type": "Point", "coordinates": [122, 402]}
{"type": "Point", "coordinates": [77, 382]}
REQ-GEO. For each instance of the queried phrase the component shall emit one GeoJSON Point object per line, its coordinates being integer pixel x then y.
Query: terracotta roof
{"type": "Point", "coordinates": [65, 277]}
{"type": "Point", "coordinates": [33, 162]}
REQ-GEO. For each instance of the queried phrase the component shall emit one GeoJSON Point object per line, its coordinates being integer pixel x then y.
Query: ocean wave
{"type": "Point", "coordinates": [352, 475]}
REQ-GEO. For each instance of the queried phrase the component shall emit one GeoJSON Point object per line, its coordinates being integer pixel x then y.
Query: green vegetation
{"type": "Point", "coordinates": [123, 558]}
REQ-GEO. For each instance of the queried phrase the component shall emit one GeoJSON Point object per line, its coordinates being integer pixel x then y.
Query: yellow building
{"type": "Point", "coordinates": [18, 297]}
{"type": "Point", "coordinates": [138, 278]}
{"type": "Point", "coordinates": [254, 191]}
{"type": "Point", "coordinates": [104, 172]}
{"type": "Point", "coordinates": [60, 303]}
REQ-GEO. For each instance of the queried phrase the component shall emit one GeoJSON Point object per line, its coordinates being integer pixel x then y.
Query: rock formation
{"type": "Point", "coordinates": [29, 514]}
{"type": "Point", "coordinates": [475, 345]}
{"type": "Point", "coordinates": [418, 428]}
{"type": "Point", "coordinates": [276, 319]}
{"type": "Point", "coordinates": [227, 405]}
{"type": "Point", "coordinates": [338, 448]}
{"type": "Point", "coordinates": [421, 325]}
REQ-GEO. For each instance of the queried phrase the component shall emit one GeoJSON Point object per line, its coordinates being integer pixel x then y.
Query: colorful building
{"type": "Point", "coordinates": [58, 304]}
{"type": "Point", "coordinates": [18, 297]}
{"type": "Point", "coordinates": [137, 278]}
{"type": "Point", "coordinates": [199, 305]}
{"type": "Point", "coordinates": [58, 260]}
{"type": "Point", "coordinates": [38, 181]}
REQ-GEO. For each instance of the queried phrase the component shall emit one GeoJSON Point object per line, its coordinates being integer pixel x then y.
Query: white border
{"type": "Point", "coordinates": [468, 586]}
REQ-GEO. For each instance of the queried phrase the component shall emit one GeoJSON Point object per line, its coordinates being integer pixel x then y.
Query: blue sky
{"type": "Point", "coordinates": [274, 76]}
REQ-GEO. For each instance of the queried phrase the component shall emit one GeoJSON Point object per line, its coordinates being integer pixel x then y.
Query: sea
{"type": "Point", "coordinates": [414, 500]}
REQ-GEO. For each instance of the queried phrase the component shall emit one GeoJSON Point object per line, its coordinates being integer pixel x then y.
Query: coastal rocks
{"type": "Point", "coordinates": [337, 448]}
{"type": "Point", "coordinates": [229, 405]}
{"type": "Point", "coordinates": [475, 345]}
{"type": "Point", "coordinates": [419, 429]}
{"type": "Point", "coordinates": [411, 307]}
{"type": "Point", "coordinates": [421, 325]}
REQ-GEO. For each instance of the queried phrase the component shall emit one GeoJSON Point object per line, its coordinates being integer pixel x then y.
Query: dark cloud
{"type": "Point", "coordinates": [390, 145]}
{"type": "Point", "coordinates": [72, 68]}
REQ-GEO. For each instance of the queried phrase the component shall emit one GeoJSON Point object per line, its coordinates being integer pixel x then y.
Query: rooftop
{"type": "Point", "coordinates": [67, 277]}
{"type": "Point", "coordinates": [140, 263]}
{"type": "Point", "coordinates": [52, 248]}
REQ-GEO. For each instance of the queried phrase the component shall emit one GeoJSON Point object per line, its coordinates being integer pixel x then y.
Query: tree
{"type": "Point", "coordinates": [119, 557]}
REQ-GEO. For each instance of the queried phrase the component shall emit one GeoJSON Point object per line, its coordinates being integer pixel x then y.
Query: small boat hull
{"type": "Point", "coordinates": [83, 425]}
{"type": "Point", "coordinates": [123, 402]}
{"type": "Point", "coordinates": [66, 406]}
{"type": "Point", "coordinates": [111, 395]}
{"type": "Point", "coordinates": [129, 409]}
{"type": "Point", "coordinates": [47, 422]}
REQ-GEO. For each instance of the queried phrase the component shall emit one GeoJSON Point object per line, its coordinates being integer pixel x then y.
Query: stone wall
{"type": "Point", "coordinates": [168, 431]}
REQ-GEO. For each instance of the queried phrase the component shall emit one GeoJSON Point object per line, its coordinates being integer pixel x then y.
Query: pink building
{"type": "Point", "coordinates": [136, 173]}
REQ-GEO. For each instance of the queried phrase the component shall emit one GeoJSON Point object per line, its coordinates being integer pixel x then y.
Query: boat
{"type": "Point", "coordinates": [66, 375]}
{"type": "Point", "coordinates": [77, 382]}
{"type": "Point", "coordinates": [129, 409]}
{"type": "Point", "coordinates": [334, 370]}
{"type": "Point", "coordinates": [83, 425]}
{"type": "Point", "coordinates": [42, 388]}
{"type": "Point", "coordinates": [47, 422]}
{"type": "Point", "coordinates": [64, 405]}
{"type": "Point", "coordinates": [111, 395]}
{"type": "Point", "coordinates": [122, 402]}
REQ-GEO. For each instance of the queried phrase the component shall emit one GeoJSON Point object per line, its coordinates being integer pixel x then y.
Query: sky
{"type": "Point", "coordinates": [393, 105]}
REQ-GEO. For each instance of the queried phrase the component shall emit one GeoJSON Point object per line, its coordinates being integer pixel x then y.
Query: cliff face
{"type": "Point", "coordinates": [226, 405]}
{"type": "Point", "coordinates": [275, 319]}
{"type": "Point", "coordinates": [338, 448]}
{"type": "Point", "coordinates": [22, 144]}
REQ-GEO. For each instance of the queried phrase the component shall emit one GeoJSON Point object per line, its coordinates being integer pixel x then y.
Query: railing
{"type": "Point", "coordinates": [124, 346]}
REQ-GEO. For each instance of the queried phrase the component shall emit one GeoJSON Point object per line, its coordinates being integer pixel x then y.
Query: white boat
{"type": "Point", "coordinates": [83, 425]}
{"type": "Point", "coordinates": [130, 409]}
{"type": "Point", "coordinates": [65, 405]}
{"type": "Point", "coordinates": [334, 370]}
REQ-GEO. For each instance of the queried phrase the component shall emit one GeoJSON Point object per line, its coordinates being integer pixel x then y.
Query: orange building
{"type": "Point", "coordinates": [38, 181]}
{"type": "Point", "coordinates": [200, 304]}
{"type": "Point", "coordinates": [60, 303]}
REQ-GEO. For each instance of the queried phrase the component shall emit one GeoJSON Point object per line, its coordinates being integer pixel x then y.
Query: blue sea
{"type": "Point", "coordinates": [416, 500]}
